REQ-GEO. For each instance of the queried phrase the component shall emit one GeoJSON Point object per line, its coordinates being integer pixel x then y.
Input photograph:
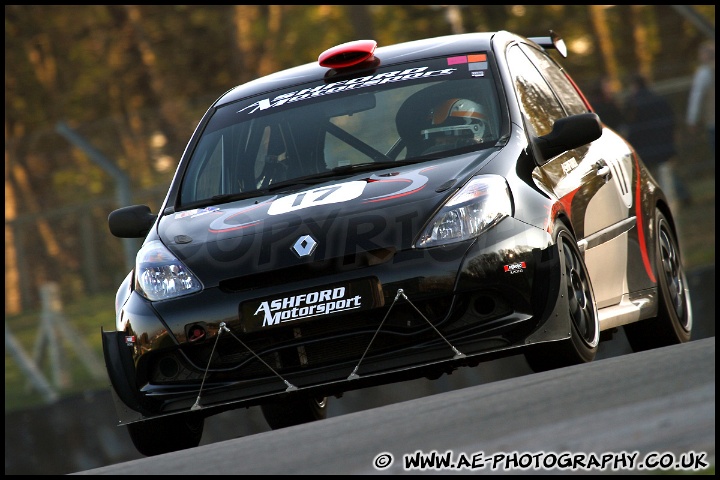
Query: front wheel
{"type": "Point", "coordinates": [673, 323]}
{"type": "Point", "coordinates": [294, 411]}
{"type": "Point", "coordinates": [167, 434]}
{"type": "Point", "coordinates": [581, 347]}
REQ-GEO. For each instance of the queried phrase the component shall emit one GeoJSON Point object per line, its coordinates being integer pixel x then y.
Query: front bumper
{"type": "Point", "coordinates": [436, 310]}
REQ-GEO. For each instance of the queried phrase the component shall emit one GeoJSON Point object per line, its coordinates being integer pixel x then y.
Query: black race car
{"type": "Point", "coordinates": [384, 214]}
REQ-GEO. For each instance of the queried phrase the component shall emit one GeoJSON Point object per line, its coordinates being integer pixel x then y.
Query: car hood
{"type": "Point", "coordinates": [380, 212]}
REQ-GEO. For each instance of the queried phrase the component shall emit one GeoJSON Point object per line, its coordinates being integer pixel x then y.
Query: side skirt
{"type": "Point", "coordinates": [640, 307]}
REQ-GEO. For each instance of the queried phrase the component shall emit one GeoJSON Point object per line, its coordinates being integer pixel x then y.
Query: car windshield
{"type": "Point", "coordinates": [398, 114]}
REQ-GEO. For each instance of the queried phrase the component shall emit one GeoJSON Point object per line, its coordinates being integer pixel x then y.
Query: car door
{"type": "Point", "coordinates": [591, 182]}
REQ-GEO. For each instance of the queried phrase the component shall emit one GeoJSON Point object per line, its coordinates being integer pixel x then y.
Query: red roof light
{"type": "Point", "coordinates": [347, 54]}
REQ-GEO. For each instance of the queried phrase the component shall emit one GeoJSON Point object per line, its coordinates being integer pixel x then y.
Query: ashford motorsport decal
{"type": "Point", "coordinates": [345, 85]}
{"type": "Point", "coordinates": [306, 305]}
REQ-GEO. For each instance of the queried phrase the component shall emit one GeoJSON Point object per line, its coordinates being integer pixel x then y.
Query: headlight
{"type": "Point", "coordinates": [160, 275]}
{"type": "Point", "coordinates": [480, 204]}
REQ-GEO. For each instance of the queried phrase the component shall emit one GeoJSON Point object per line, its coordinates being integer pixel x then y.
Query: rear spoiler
{"type": "Point", "coordinates": [552, 41]}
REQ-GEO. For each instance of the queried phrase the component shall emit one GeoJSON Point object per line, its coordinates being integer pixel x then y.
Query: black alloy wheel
{"type": "Point", "coordinates": [673, 323]}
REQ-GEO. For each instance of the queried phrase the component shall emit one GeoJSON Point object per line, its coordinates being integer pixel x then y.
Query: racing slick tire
{"type": "Point", "coordinates": [166, 434]}
{"type": "Point", "coordinates": [294, 411]}
{"type": "Point", "coordinates": [673, 323]}
{"type": "Point", "coordinates": [582, 345]}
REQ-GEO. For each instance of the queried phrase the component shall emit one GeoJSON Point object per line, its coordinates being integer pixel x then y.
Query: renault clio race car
{"type": "Point", "coordinates": [384, 214]}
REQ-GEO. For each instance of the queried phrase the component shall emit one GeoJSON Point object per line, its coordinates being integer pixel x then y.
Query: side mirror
{"type": "Point", "coordinates": [568, 133]}
{"type": "Point", "coordinates": [131, 222]}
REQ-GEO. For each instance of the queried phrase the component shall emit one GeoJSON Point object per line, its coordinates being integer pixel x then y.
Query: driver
{"type": "Point", "coordinates": [456, 122]}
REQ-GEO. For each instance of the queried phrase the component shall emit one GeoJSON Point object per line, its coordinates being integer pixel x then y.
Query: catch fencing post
{"type": "Point", "coordinates": [54, 328]}
{"type": "Point", "coordinates": [29, 368]}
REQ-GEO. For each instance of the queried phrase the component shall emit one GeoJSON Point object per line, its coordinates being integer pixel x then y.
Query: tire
{"type": "Point", "coordinates": [294, 411]}
{"type": "Point", "coordinates": [167, 434]}
{"type": "Point", "coordinates": [582, 345]}
{"type": "Point", "coordinates": [673, 323]}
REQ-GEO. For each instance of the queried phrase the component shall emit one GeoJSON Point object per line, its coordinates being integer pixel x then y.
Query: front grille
{"type": "Point", "coordinates": [329, 341]}
{"type": "Point", "coordinates": [336, 340]}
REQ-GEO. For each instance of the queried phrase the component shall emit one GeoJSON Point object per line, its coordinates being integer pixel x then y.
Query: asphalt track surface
{"type": "Point", "coordinates": [658, 404]}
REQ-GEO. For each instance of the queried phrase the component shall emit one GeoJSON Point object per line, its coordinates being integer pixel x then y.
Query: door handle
{"type": "Point", "coordinates": [603, 170]}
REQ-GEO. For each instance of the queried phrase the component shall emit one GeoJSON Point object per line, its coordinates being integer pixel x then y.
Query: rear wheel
{"type": "Point", "coordinates": [167, 434]}
{"type": "Point", "coordinates": [581, 347]}
{"type": "Point", "coordinates": [294, 411]}
{"type": "Point", "coordinates": [673, 323]}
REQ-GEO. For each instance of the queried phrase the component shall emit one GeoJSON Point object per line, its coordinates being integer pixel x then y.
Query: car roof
{"type": "Point", "coordinates": [388, 55]}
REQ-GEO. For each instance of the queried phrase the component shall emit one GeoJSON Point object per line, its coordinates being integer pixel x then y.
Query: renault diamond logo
{"type": "Point", "coordinates": [304, 246]}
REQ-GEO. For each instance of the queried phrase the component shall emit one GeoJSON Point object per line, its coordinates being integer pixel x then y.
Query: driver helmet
{"type": "Point", "coordinates": [457, 120]}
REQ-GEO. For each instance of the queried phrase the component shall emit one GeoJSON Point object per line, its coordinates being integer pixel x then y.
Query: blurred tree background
{"type": "Point", "coordinates": [132, 81]}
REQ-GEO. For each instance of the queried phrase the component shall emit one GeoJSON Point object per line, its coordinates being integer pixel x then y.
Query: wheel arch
{"type": "Point", "coordinates": [120, 368]}
{"type": "Point", "coordinates": [649, 226]}
{"type": "Point", "coordinates": [552, 324]}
